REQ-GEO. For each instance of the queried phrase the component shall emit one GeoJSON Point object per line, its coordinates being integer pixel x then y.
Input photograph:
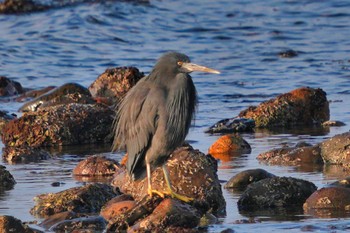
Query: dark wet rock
{"type": "Point", "coordinates": [117, 206]}
{"type": "Point", "coordinates": [71, 124]}
{"type": "Point", "coordinates": [20, 6]}
{"type": "Point", "coordinates": [161, 216]}
{"type": "Point", "coordinates": [302, 106]}
{"type": "Point", "coordinates": [89, 224]}
{"type": "Point", "coordinates": [327, 200]}
{"type": "Point", "coordinates": [192, 174]}
{"type": "Point", "coordinates": [228, 230]}
{"type": "Point", "coordinates": [65, 94]}
{"type": "Point", "coordinates": [114, 83]}
{"type": "Point", "coordinates": [229, 145]}
{"type": "Point", "coordinates": [6, 179]}
{"type": "Point", "coordinates": [232, 125]}
{"type": "Point", "coordinates": [96, 165]}
{"type": "Point", "coordinates": [24, 154]}
{"type": "Point", "coordinates": [288, 53]}
{"type": "Point", "coordinates": [9, 87]}
{"type": "Point", "coordinates": [241, 180]}
{"type": "Point", "coordinates": [336, 150]}
{"type": "Point", "coordinates": [5, 118]}
{"type": "Point", "coordinates": [9, 224]}
{"type": "Point", "coordinates": [292, 156]}
{"type": "Point", "coordinates": [345, 183]}
{"type": "Point", "coordinates": [276, 192]}
{"type": "Point", "coordinates": [31, 94]}
{"type": "Point", "coordinates": [333, 123]}
{"type": "Point", "coordinates": [86, 199]}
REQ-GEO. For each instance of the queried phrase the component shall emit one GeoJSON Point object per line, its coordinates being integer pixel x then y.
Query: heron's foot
{"type": "Point", "coordinates": [180, 197]}
{"type": "Point", "coordinates": [153, 191]}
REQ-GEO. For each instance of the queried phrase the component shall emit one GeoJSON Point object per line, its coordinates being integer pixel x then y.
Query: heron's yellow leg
{"type": "Point", "coordinates": [171, 191]}
{"type": "Point", "coordinates": [150, 190]}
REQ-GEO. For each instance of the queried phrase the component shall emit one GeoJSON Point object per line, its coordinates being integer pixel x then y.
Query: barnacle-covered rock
{"type": "Point", "coordinates": [24, 153]}
{"type": "Point", "coordinates": [20, 6]}
{"type": "Point", "coordinates": [96, 168]}
{"type": "Point", "coordinates": [192, 174]}
{"type": "Point", "coordinates": [114, 83]}
{"type": "Point", "coordinates": [276, 192]}
{"type": "Point", "coordinates": [65, 94]}
{"type": "Point", "coordinates": [71, 124]}
{"type": "Point", "coordinates": [336, 150]}
{"type": "Point", "coordinates": [232, 125]}
{"type": "Point", "coordinates": [302, 106]}
{"type": "Point", "coordinates": [9, 224]}
{"type": "Point", "coordinates": [86, 199]}
{"type": "Point", "coordinates": [292, 155]}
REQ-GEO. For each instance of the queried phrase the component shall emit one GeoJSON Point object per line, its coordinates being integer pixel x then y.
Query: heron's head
{"type": "Point", "coordinates": [180, 63]}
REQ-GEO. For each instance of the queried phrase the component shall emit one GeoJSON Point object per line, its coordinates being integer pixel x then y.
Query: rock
{"type": "Point", "coordinates": [336, 150]}
{"type": "Point", "coordinates": [241, 180]}
{"type": "Point", "coordinates": [114, 83]}
{"type": "Point", "coordinates": [143, 207]}
{"type": "Point", "coordinates": [96, 166]}
{"type": "Point", "coordinates": [232, 125]}
{"type": "Point", "coordinates": [117, 206]}
{"type": "Point", "coordinates": [9, 87]}
{"type": "Point", "coordinates": [288, 53]}
{"type": "Point", "coordinates": [302, 106]}
{"type": "Point", "coordinates": [30, 94]}
{"type": "Point", "coordinates": [65, 94]}
{"type": "Point", "coordinates": [192, 174]}
{"type": "Point", "coordinates": [81, 225]}
{"type": "Point", "coordinates": [292, 156]}
{"type": "Point", "coordinates": [57, 218]}
{"type": "Point", "coordinates": [4, 119]}
{"type": "Point", "coordinates": [345, 183]}
{"type": "Point", "coordinates": [24, 154]}
{"type": "Point", "coordinates": [327, 201]}
{"type": "Point", "coordinates": [9, 224]}
{"type": "Point", "coordinates": [86, 199]}
{"type": "Point", "coordinates": [169, 213]}
{"type": "Point", "coordinates": [276, 192]}
{"type": "Point", "coordinates": [6, 179]}
{"type": "Point", "coordinates": [20, 6]}
{"type": "Point", "coordinates": [228, 146]}
{"type": "Point", "coordinates": [71, 124]}
{"type": "Point", "coordinates": [333, 123]}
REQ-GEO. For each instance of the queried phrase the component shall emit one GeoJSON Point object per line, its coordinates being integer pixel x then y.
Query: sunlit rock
{"type": "Point", "coordinates": [228, 146]}
{"type": "Point", "coordinates": [111, 86]}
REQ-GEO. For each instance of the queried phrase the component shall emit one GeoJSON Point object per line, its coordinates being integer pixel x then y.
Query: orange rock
{"type": "Point", "coordinates": [302, 106]}
{"type": "Point", "coordinates": [116, 208]}
{"type": "Point", "coordinates": [229, 146]}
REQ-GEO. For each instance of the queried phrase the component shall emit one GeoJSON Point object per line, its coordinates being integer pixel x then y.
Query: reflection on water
{"type": "Point", "coordinates": [242, 39]}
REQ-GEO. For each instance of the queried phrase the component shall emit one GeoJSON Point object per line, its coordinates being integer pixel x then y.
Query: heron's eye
{"type": "Point", "coordinates": [180, 63]}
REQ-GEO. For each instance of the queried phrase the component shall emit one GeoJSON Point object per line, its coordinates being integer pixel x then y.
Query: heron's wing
{"type": "Point", "coordinates": [135, 125]}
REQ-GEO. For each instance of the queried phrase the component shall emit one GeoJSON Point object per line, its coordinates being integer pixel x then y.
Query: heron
{"type": "Point", "coordinates": [154, 117]}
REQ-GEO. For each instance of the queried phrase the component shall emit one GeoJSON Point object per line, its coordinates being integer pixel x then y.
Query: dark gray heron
{"type": "Point", "coordinates": [154, 117]}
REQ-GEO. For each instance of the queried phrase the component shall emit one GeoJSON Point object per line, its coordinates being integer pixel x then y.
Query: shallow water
{"type": "Point", "coordinates": [242, 39]}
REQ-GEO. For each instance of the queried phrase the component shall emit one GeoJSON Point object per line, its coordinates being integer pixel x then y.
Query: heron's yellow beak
{"type": "Point", "coordinates": [190, 67]}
